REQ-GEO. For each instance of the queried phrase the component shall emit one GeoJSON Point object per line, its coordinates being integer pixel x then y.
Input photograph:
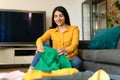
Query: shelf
{"type": "Point", "coordinates": [16, 55]}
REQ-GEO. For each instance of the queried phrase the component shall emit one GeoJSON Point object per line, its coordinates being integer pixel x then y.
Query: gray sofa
{"type": "Point", "coordinates": [106, 59]}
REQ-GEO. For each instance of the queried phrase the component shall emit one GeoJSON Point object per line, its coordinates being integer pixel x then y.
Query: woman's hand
{"type": "Point", "coordinates": [62, 51]}
{"type": "Point", "coordinates": [40, 49]}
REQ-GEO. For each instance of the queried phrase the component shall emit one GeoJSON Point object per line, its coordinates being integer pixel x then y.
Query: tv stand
{"type": "Point", "coordinates": [21, 55]}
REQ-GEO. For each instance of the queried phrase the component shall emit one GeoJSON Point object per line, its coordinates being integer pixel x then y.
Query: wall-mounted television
{"type": "Point", "coordinates": [21, 27]}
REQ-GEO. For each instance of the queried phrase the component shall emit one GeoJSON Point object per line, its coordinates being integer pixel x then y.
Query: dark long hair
{"type": "Point", "coordinates": [64, 12]}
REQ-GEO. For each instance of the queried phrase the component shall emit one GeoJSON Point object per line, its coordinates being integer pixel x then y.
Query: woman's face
{"type": "Point", "coordinates": [59, 18]}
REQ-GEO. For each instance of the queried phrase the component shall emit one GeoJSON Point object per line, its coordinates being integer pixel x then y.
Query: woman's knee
{"type": "Point", "coordinates": [76, 63]}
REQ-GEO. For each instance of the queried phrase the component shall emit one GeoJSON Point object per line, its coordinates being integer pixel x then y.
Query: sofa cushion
{"type": "Point", "coordinates": [109, 68]}
{"type": "Point", "coordinates": [111, 56]}
{"type": "Point", "coordinates": [105, 38]}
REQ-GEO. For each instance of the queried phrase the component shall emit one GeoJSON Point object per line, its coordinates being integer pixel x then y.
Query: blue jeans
{"type": "Point", "coordinates": [35, 59]}
{"type": "Point", "coordinates": [75, 62]}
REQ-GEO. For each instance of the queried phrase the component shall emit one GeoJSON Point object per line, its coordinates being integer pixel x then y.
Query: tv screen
{"type": "Point", "coordinates": [19, 28]}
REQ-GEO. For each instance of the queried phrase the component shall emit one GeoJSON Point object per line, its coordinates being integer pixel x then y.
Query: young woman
{"type": "Point", "coordinates": [65, 38]}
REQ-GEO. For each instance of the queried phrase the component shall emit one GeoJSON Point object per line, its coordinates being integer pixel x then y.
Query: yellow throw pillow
{"type": "Point", "coordinates": [100, 75]}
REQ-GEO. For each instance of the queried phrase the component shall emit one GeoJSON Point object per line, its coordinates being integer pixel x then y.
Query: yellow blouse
{"type": "Point", "coordinates": [68, 40]}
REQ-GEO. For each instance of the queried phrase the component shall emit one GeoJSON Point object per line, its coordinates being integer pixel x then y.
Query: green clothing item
{"type": "Point", "coordinates": [50, 60]}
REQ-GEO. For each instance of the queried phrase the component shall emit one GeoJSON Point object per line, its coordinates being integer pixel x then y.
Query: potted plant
{"type": "Point", "coordinates": [113, 15]}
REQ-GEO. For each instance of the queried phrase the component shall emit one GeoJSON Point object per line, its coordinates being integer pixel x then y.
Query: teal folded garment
{"type": "Point", "coordinates": [105, 38]}
{"type": "Point", "coordinates": [50, 60]}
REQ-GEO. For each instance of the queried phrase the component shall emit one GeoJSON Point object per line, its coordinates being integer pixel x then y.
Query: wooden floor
{"type": "Point", "coordinates": [10, 68]}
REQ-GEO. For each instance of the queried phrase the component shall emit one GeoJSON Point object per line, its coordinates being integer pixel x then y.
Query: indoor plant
{"type": "Point", "coordinates": [113, 15]}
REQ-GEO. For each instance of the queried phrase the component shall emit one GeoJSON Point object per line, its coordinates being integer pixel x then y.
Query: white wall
{"type": "Point", "coordinates": [73, 7]}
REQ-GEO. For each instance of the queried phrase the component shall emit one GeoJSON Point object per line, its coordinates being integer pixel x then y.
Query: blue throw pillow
{"type": "Point", "coordinates": [105, 38]}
